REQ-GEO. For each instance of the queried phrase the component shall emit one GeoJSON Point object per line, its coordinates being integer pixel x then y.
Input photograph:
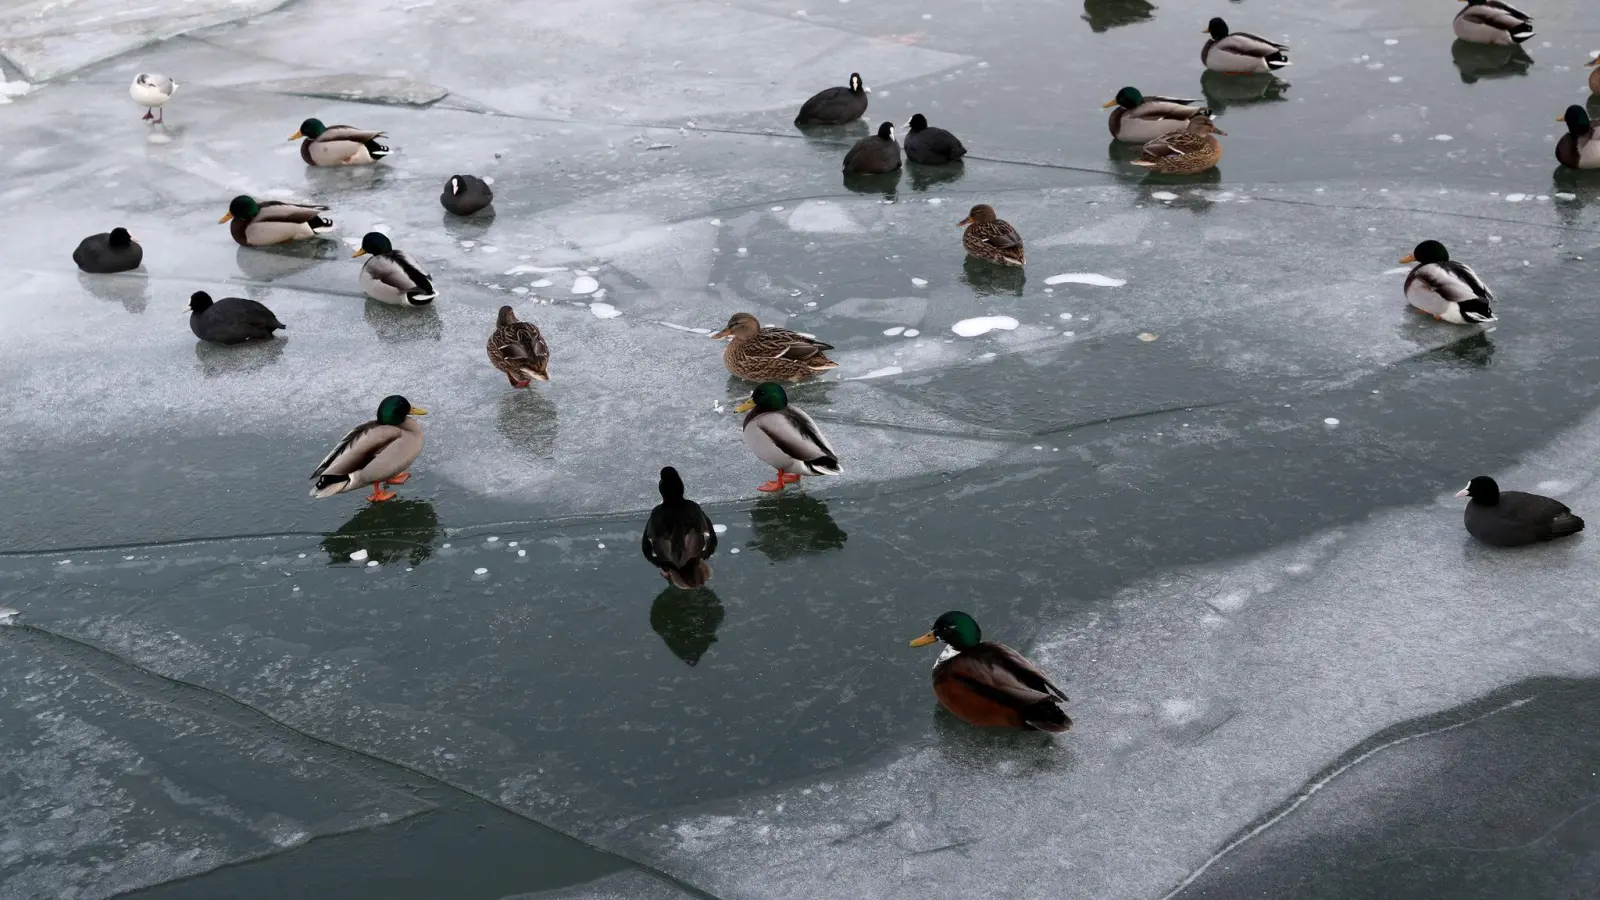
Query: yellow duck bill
{"type": "Point", "coordinates": [925, 640]}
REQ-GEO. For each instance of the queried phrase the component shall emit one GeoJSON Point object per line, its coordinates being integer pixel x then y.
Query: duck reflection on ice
{"type": "Point", "coordinates": [793, 525]}
{"type": "Point", "coordinates": [132, 291]}
{"type": "Point", "coordinates": [1223, 91]}
{"type": "Point", "coordinates": [1476, 61]}
{"type": "Point", "coordinates": [217, 360]}
{"type": "Point", "coordinates": [1104, 15]}
{"type": "Point", "coordinates": [528, 420]}
{"type": "Point", "coordinates": [887, 184]}
{"type": "Point", "coordinates": [1474, 352]}
{"type": "Point", "coordinates": [687, 621]}
{"type": "Point", "coordinates": [987, 279]}
{"type": "Point", "coordinates": [397, 531]}
{"type": "Point", "coordinates": [402, 325]}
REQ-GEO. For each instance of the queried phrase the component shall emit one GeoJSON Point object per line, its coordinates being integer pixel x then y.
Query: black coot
{"type": "Point", "coordinates": [1513, 518]}
{"type": "Point", "coordinates": [112, 251]}
{"type": "Point", "coordinates": [465, 194]}
{"type": "Point", "coordinates": [929, 146]}
{"type": "Point", "coordinates": [231, 320]}
{"type": "Point", "coordinates": [874, 155]}
{"type": "Point", "coordinates": [836, 105]}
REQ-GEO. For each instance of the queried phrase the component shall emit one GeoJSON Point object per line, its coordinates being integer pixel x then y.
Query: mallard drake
{"type": "Point", "coordinates": [231, 320]}
{"type": "Point", "coordinates": [338, 145]}
{"type": "Point", "coordinates": [107, 252]}
{"type": "Point", "coordinates": [1240, 53]}
{"type": "Point", "coordinates": [518, 349]}
{"type": "Point", "coordinates": [1138, 119]}
{"type": "Point", "coordinates": [836, 105]}
{"type": "Point", "coordinates": [679, 537]}
{"type": "Point", "coordinates": [390, 276]}
{"type": "Point", "coordinates": [771, 354]}
{"type": "Point", "coordinates": [375, 453]}
{"type": "Point", "coordinates": [991, 685]}
{"type": "Point", "coordinates": [152, 92]}
{"type": "Point", "coordinates": [874, 155]}
{"type": "Point", "coordinates": [465, 194]}
{"type": "Point", "coordinates": [1195, 149]}
{"type": "Point", "coordinates": [1594, 75]}
{"type": "Point", "coordinates": [1445, 289]}
{"type": "Point", "coordinates": [990, 238]}
{"type": "Point", "coordinates": [1492, 22]}
{"type": "Point", "coordinates": [929, 146]}
{"type": "Point", "coordinates": [784, 437]}
{"type": "Point", "coordinates": [1579, 148]}
{"type": "Point", "coordinates": [1513, 518]}
{"type": "Point", "coordinates": [264, 224]}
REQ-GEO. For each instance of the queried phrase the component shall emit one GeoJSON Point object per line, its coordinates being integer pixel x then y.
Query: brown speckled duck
{"type": "Point", "coordinates": [990, 238]}
{"type": "Point", "coordinates": [1195, 149]}
{"type": "Point", "coordinates": [1594, 75]}
{"type": "Point", "coordinates": [771, 354]}
{"type": "Point", "coordinates": [518, 349]}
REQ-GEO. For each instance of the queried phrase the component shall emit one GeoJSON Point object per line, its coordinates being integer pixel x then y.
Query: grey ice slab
{"type": "Point", "coordinates": [108, 788]}
{"type": "Point", "coordinates": [623, 886]}
{"type": "Point", "coordinates": [1221, 689]}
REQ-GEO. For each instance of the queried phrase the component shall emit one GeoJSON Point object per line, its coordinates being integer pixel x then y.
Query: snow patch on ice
{"type": "Point", "coordinates": [604, 310]}
{"type": "Point", "coordinates": [585, 284]}
{"type": "Point", "coordinates": [983, 325]}
{"type": "Point", "coordinates": [1091, 278]}
{"type": "Point", "coordinates": [884, 372]}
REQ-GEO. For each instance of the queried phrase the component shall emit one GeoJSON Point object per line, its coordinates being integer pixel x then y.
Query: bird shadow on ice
{"type": "Point", "coordinates": [469, 228]}
{"type": "Point", "coordinates": [222, 360]}
{"type": "Point", "coordinates": [990, 280]}
{"type": "Point", "coordinates": [402, 324]}
{"type": "Point", "coordinates": [1475, 351]}
{"type": "Point", "coordinates": [924, 177]}
{"type": "Point", "coordinates": [528, 421]}
{"type": "Point", "coordinates": [835, 136]}
{"type": "Point", "coordinates": [1222, 91]}
{"type": "Point", "coordinates": [325, 180]}
{"type": "Point", "coordinates": [793, 524]}
{"type": "Point", "coordinates": [272, 263]}
{"type": "Point", "coordinates": [1025, 753]}
{"type": "Point", "coordinates": [1477, 61]}
{"type": "Point", "coordinates": [394, 531]}
{"type": "Point", "coordinates": [687, 621]}
{"type": "Point", "coordinates": [132, 291]}
{"type": "Point", "coordinates": [1104, 15]}
{"type": "Point", "coordinates": [887, 184]}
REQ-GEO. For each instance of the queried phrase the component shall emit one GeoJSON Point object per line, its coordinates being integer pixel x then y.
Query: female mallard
{"type": "Point", "coordinates": [108, 251]}
{"type": "Point", "coordinates": [1240, 53]}
{"type": "Point", "coordinates": [518, 349]}
{"type": "Point", "coordinates": [264, 224]}
{"type": "Point", "coordinates": [1594, 75]}
{"type": "Point", "coordinates": [375, 453]}
{"type": "Point", "coordinates": [874, 155]}
{"type": "Point", "coordinates": [679, 537]}
{"type": "Point", "coordinates": [991, 238]}
{"type": "Point", "coordinates": [835, 105]}
{"type": "Point", "coordinates": [1186, 152]}
{"type": "Point", "coordinates": [465, 194]}
{"type": "Point", "coordinates": [1445, 289]}
{"type": "Point", "coordinates": [988, 684]}
{"type": "Point", "coordinates": [1579, 148]}
{"type": "Point", "coordinates": [338, 145]}
{"type": "Point", "coordinates": [1138, 119]}
{"type": "Point", "coordinates": [1492, 22]}
{"type": "Point", "coordinates": [771, 354]}
{"type": "Point", "coordinates": [390, 276]}
{"type": "Point", "coordinates": [784, 438]}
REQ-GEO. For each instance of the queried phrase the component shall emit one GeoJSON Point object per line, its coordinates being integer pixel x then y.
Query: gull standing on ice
{"type": "Point", "coordinates": [152, 92]}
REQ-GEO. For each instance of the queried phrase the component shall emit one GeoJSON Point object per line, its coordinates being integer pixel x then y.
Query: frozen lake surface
{"type": "Point", "coordinates": [1196, 461]}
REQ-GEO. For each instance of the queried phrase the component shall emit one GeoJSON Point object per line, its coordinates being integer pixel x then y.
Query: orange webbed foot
{"type": "Point", "coordinates": [771, 487]}
{"type": "Point", "coordinates": [402, 478]}
{"type": "Point", "coordinates": [787, 478]}
{"type": "Point", "coordinates": [379, 495]}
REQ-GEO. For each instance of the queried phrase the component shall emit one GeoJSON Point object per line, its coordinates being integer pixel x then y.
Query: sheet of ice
{"type": "Point", "coordinates": [822, 217]}
{"type": "Point", "coordinates": [983, 325]}
{"type": "Point", "coordinates": [1091, 278]}
{"type": "Point", "coordinates": [47, 40]}
{"type": "Point", "coordinates": [604, 311]}
{"type": "Point", "coordinates": [585, 284]}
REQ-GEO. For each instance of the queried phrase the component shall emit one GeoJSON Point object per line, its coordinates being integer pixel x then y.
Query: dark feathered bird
{"type": "Point", "coordinates": [836, 105]}
{"type": "Point", "coordinates": [929, 146]}
{"type": "Point", "coordinates": [1513, 518]}
{"type": "Point", "coordinates": [112, 251]}
{"type": "Point", "coordinates": [465, 194]}
{"type": "Point", "coordinates": [679, 538]}
{"type": "Point", "coordinates": [874, 155]}
{"type": "Point", "coordinates": [989, 684]}
{"type": "Point", "coordinates": [231, 320]}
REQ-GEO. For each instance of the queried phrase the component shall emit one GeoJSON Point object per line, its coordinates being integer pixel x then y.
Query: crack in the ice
{"type": "Point", "coordinates": [246, 709]}
{"type": "Point", "coordinates": [1311, 790]}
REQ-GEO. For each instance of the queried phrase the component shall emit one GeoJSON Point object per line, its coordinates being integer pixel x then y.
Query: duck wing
{"type": "Point", "coordinates": [522, 340]}
{"type": "Point", "coordinates": [1463, 272]}
{"type": "Point", "coordinates": [1165, 108]}
{"type": "Point", "coordinates": [347, 133]}
{"type": "Point", "coordinates": [1444, 281]}
{"type": "Point", "coordinates": [1246, 44]}
{"type": "Point", "coordinates": [999, 233]}
{"type": "Point", "coordinates": [294, 213]}
{"type": "Point", "coordinates": [792, 433]}
{"type": "Point", "coordinates": [781, 343]}
{"type": "Point", "coordinates": [1000, 674]}
{"type": "Point", "coordinates": [357, 449]}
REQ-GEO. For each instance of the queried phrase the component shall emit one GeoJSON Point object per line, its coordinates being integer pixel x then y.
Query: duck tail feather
{"type": "Point", "coordinates": [825, 465]}
{"type": "Point", "coordinates": [1047, 716]}
{"type": "Point", "coordinates": [328, 485]}
{"type": "Point", "coordinates": [691, 575]}
{"type": "Point", "coordinates": [1566, 524]}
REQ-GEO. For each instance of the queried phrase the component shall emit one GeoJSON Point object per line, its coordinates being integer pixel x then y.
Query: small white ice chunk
{"type": "Point", "coordinates": [891, 332]}
{"type": "Point", "coordinates": [884, 372]}
{"type": "Point", "coordinates": [604, 310]}
{"type": "Point", "coordinates": [1330, 421]}
{"type": "Point", "coordinates": [920, 282]}
{"type": "Point", "coordinates": [526, 270]}
{"type": "Point", "coordinates": [541, 283]}
{"type": "Point", "coordinates": [492, 538]}
{"type": "Point", "coordinates": [1163, 196]}
{"type": "Point", "coordinates": [480, 571]}
{"type": "Point", "coordinates": [1516, 198]}
{"type": "Point", "coordinates": [1091, 278]}
{"type": "Point", "coordinates": [912, 332]}
{"type": "Point", "coordinates": [584, 284]}
{"type": "Point", "coordinates": [1443, 137]}
{"type": "Point", "coordinates": [720, 529]}
{"type": "Point", "coordinates": [358, 556]}
{"type": "Point", "coordinates": [983, 325]}
{"type": "Point", "coordinates": [371, 563]}
{"type": "Point", "coordinates": [8, 615]}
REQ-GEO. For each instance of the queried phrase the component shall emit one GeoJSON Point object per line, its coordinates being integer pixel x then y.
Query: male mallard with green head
{"type": "Point", "coordinates": [991, 685]}
{"type": "Point", "coordinates": [771, 354]}
{"type": "Point", "coordinates": [273, 222]}
{"type": "Point", "coordinates": [1239, 52]}
{"type": "Point", "coordinates": [1492, 22]}
{"type": "Point", "coordinates": [392, 277]}
{"type": "Point", "coordinates": [1138, 119]}
{"type": "Point", "coordinates": [338, 145]}
{"type": "Point", "coordinates": [785, 438]}
{"type": "Point", "coordinates": [1446, 289]}
{"type": "Point", "coordinates": [375, 453]}
{"type": "Point", "coordinates": [1579, 148]}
